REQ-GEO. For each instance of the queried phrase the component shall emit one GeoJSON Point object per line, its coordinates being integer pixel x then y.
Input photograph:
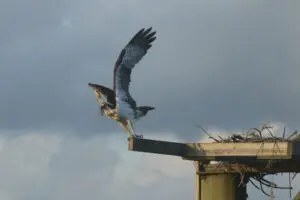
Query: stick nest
{"type": "Point", "coordinates": [262, 134]}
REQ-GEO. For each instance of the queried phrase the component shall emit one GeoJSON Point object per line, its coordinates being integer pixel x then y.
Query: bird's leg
{"type": "Point", "coordinates": [129, 123]}
{"type": "Point", "coordinates": [102, 109]}
{"type": "Point", "coordinates": [126, 129]}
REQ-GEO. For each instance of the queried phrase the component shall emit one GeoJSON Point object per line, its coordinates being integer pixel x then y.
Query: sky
{"type": "Point", "coordinates": [226, 65]}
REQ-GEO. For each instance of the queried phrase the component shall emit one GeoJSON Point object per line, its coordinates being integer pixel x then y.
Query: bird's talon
{"type": "Point", "coordinates": [139, 136]}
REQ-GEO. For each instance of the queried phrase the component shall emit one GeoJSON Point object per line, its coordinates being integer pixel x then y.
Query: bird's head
{"type": "Point", "coordinates": [92, 85]}
{"type": "Point", "coordinates": [95, 87]}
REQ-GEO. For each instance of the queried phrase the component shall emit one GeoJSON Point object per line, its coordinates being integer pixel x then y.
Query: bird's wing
{"type": "Point", "coordinates": [131, 54]}
{"type": "Point", "coordinates": [104, 95]}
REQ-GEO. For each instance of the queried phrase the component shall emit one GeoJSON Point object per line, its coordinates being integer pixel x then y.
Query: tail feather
{"type": "Point", "coordinates": [145, 109]}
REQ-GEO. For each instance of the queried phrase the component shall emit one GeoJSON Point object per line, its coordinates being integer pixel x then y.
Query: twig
{"type": "Point", "coordinates": [294, 176]}
{"type": "Point", "coordinates": [292, 135]}
{"type": "Point", "coordinates": [253, 184]}
{"type": "Point", "coordinates": [209, 136]}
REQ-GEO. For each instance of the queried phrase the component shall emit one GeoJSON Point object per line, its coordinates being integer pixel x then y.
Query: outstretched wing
{"type": "Point", "coordinates": [132, 53]}
{"type": "Point", "coordinates": [104, 95]}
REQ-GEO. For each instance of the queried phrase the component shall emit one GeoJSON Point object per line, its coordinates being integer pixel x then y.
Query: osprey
{"type": "Point", "coordinates": [118, 104]}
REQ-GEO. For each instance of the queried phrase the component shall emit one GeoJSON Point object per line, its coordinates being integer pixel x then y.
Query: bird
{"type": "Point", "coordinates": [117, 103]}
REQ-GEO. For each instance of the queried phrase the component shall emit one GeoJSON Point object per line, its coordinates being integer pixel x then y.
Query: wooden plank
{"type": "Point", "coordinates": [266, 150]}
{"type": "Point", "coordinates": [254, 167]}
{"type": "Point", "coordinates": [217, 151]}
{"type": "Point", "coordinates": [159, 147]}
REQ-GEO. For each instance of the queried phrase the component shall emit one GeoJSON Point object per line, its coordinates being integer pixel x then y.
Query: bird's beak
{"type": "Point", "coordinates": [93, 86]}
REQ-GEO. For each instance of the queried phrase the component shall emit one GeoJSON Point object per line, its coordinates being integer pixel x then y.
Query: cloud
{"type": "Point", "coordinates": [231, 65]}
{"type": "Point", "coordinates": [24, 163]}
{"type": "Point", "coordinates": [57, 166]}
{"type": "Point", "coordinates": [39, 165]}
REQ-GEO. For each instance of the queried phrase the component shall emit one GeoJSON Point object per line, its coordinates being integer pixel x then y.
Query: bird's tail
{"type": "Point", "coordinates": [145, 109]}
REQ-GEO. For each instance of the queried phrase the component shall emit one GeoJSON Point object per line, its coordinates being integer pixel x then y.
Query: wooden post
{"type": "Point", "coordinates": [297, 197]}
{"type": "Point", "coordinates": [198, 181]}
{"type": "Point", "coordinates": [218, 186]}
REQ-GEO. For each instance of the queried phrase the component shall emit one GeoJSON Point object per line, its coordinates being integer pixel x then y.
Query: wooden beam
{"type": "Point", "coordinates": [218, 151]}
{"type": "Point", "coordinates": [159, 147]}
{"type": "Point", "coordinates": [266, 150]}
{"type": "Point", "coordinates": [255, 167]}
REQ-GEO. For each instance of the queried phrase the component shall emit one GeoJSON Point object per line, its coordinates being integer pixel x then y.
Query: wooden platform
{"type": "Point", "coordinates": [280, 156]}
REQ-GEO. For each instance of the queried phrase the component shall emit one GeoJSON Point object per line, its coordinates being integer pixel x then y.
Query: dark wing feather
{"type": "Point", "coordinates": [131, 54]}
{"type": "Point", "coordinates": [108, 93]}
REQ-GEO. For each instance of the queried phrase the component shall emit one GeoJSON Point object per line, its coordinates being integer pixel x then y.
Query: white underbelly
{"type": "Point", "coordinates": [125, 111]}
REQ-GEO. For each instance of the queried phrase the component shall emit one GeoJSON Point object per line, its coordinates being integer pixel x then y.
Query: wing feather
{"type": "Point", "coordinates": [130, 55]}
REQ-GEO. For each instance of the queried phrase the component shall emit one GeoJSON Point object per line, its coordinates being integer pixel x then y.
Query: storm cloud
{"type": "Point", "coordinates": [230, 65]}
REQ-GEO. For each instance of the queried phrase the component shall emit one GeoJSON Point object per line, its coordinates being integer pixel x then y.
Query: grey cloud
{"type": "Point", "coordinates": [230, 65]}
{"type": "Point", "coordinates": [59, 166]}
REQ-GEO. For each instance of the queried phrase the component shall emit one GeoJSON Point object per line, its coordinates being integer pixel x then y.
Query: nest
{"type": "Point", "coordinates": [256, 135]}
{"type": "Point", "coordinates": [259, 135]}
